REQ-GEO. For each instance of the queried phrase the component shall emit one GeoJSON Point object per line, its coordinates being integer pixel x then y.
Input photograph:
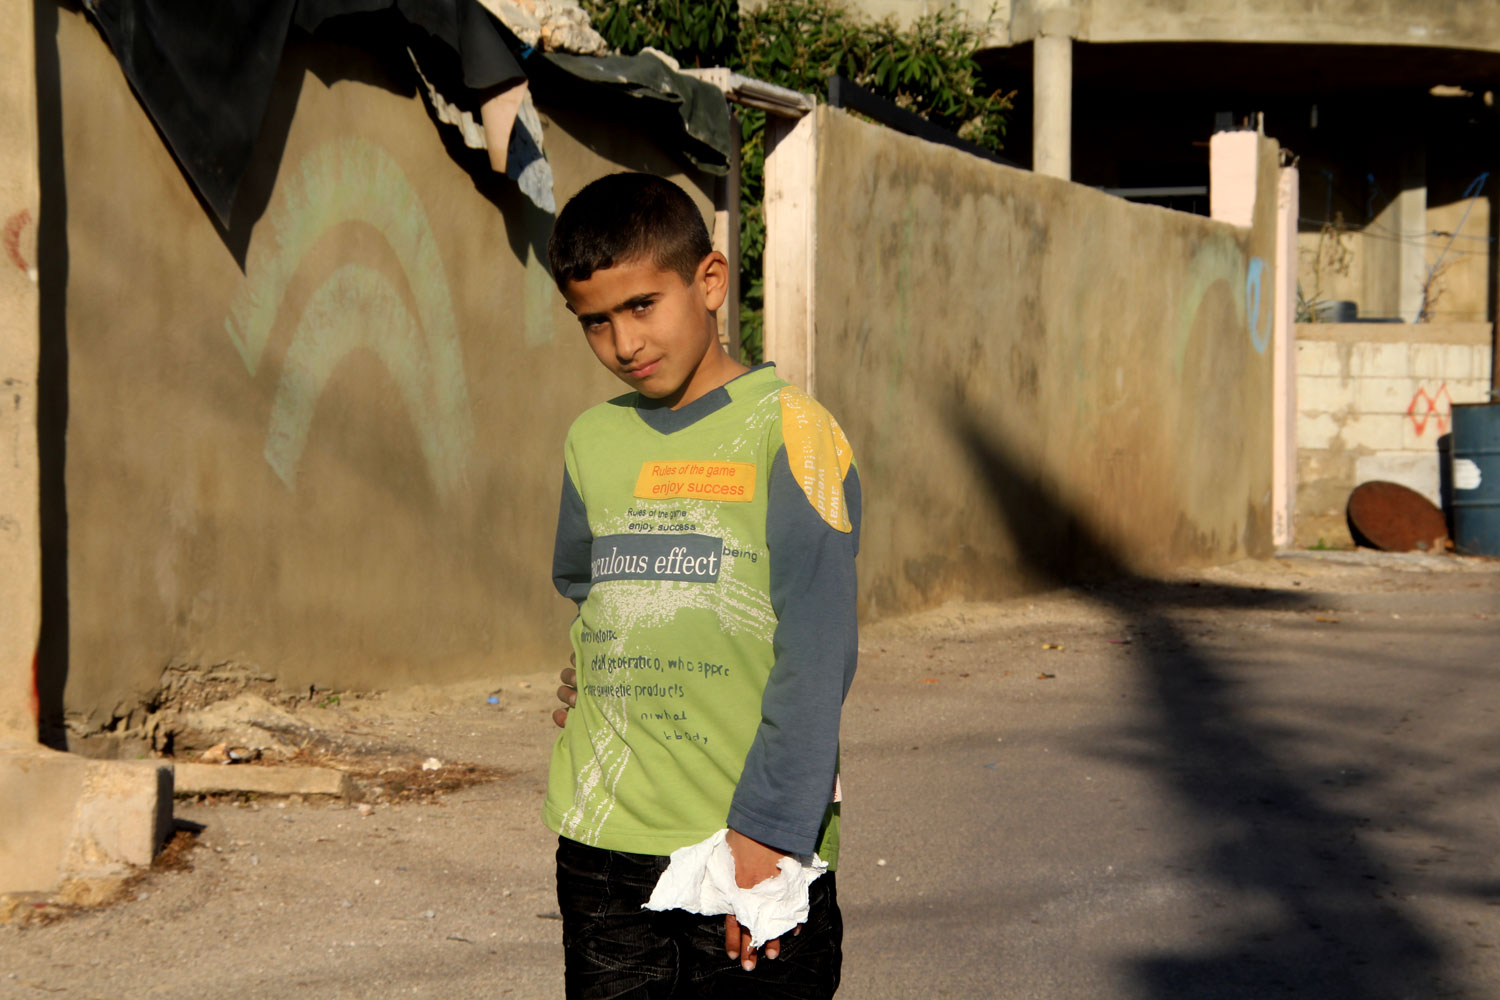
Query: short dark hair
{"type": "Point", "coordinates": [624, 217]}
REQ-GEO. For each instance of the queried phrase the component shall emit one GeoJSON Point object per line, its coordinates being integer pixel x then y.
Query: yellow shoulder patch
{"type": "Point", "coordinates": [818, 453]}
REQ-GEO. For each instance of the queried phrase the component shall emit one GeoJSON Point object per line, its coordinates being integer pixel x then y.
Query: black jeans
{"type": "Point", "coordinates": [615, 950]}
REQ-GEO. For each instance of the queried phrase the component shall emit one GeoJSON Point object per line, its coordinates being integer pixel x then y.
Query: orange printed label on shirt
{"type": "Point", "coordinates": [733, 482]}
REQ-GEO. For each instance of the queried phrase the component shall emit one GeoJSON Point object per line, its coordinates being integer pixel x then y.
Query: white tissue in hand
{"type": "Point", "coordinates": [700, 879]}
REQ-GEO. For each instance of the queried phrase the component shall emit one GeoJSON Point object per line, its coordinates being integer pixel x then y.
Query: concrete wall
{"type": "Point", "coordinates": [1460, 288]}
{"type": "Point", "coordinates": [1364, 265]}
{"type": "Point", "coordinates": [1373, 399]}
{"type": "Point", "coordinates": [1040, 381]}
{"type": "Point", "coordinates": [20, 550]}
{"type": "Point", "coordinates": [337, 460]}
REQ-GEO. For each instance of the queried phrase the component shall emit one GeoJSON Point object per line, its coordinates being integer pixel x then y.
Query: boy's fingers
{"type": "Point", "coordinates": [567, 694]}
{"type": "Point", "coordinates": [737, 942]}
{"type": "Point", "coordinates": [772, 948]}
{"type": "Point", "coordinates": [731, 936]}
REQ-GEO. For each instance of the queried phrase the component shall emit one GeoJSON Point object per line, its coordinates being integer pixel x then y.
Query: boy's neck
{"type": "Point", "coordinates": [715, 370]}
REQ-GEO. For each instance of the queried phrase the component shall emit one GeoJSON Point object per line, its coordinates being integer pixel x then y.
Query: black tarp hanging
{"type": "Point", "coordinates": [699, 106]}
{"type": "Point", "coordinates": [205, 72]}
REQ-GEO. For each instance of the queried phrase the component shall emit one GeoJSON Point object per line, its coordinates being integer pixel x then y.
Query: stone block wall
{"type": "Point", "coordinates": [1373, 400]}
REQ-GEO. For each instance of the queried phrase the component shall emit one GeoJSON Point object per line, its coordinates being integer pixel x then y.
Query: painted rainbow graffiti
{"type": "Point", "coordinates": [351, 180]}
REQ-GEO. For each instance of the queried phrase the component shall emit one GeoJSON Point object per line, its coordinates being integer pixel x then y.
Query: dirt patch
{"type": "Point", "coordinates": [176, 856]}
{"type": "Point", "coordinates": [376, 739]}
{"type": "Point", "coordinates": [187, 688]}
{"type": "Point", "coordinates": [380, 779]}
{"type": "Point", "coordinates": [412, 783]}
{"type": "Point", "coordinates": [82, 895]}
{"type": "Point", "coordinates": [231, 714]}
{"type": "Point", "coordinates": [193, 707]}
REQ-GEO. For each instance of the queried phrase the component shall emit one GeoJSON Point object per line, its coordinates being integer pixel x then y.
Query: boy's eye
{"type": "Point", "coordinates": [640, 308]}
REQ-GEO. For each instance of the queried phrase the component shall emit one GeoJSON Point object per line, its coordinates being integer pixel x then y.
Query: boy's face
{"type": "Point", "coordinates": [653, 330]}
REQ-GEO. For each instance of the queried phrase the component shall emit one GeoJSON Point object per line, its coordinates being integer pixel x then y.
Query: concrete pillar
{"type": "Point", "coordinates": [1052, 97]}
{"type": "Point", "coordinates": [1284, 364]}
{"type": "Point", "coordinates": [20, 546]}
{"type": "Point", "coordinates": [62, 817]}
{"type": "Point", "coordinates": [1411, 223]}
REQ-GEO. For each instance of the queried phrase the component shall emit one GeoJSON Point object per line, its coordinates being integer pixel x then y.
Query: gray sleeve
{"type": "Point", "coordinates": [787, 782]}
{"type": "Point", "coordinates": [570, 552]}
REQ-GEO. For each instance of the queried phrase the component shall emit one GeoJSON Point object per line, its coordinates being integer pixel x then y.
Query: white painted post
{"type": "Point", "coordinates": [1233, 165]}
{"type": "Point", "coordinates": [20, 546]}
{"type": "Point", "coordinates": [1284, 364]}
{"type": "Point", "coordinates": [791, 235]}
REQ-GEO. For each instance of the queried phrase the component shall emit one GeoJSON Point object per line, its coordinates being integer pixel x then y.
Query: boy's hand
{"type": "Point", "coordinates": [568, 693]}
{"type": "Point", "coordinates": [754, 862]}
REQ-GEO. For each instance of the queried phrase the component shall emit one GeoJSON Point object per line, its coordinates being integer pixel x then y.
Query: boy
{"type": "Point", "coordinates": [708, 527]}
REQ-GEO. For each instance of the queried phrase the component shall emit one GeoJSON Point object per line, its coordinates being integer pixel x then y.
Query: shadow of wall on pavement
{"type": "Point", "coordinates": [1266, 833]}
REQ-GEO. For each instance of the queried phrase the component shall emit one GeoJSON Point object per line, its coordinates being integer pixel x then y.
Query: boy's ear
{"type": "Point", "coordinates": [713, 279]}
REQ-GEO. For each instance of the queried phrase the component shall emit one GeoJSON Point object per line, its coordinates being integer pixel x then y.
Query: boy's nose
{"type": "Point", "coordinates": [628, 342]}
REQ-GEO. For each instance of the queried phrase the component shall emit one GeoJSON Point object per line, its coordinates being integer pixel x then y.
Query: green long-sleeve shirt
{"type": "Point", "coordinates": [711, 550]}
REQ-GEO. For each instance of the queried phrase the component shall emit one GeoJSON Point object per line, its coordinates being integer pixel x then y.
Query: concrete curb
{"type": "Point", "coordinates": [196, 779]}
{"type": "Point", "coordinates": [68, 817]}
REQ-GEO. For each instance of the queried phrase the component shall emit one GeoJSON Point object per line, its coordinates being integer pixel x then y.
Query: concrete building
{"type": "Point", "coordinates": [1389, 113]}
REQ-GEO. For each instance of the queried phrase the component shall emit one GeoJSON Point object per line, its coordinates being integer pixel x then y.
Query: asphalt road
{"type": "Point", "coordinates": [1275, 779]}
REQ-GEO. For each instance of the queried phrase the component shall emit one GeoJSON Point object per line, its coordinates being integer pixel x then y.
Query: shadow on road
{"type": "Point", "coordinates": [1265, 834]}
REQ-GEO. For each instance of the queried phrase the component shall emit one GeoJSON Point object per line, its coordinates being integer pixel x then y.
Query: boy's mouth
{"type": "Point", "coordinates": [642, 371]}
